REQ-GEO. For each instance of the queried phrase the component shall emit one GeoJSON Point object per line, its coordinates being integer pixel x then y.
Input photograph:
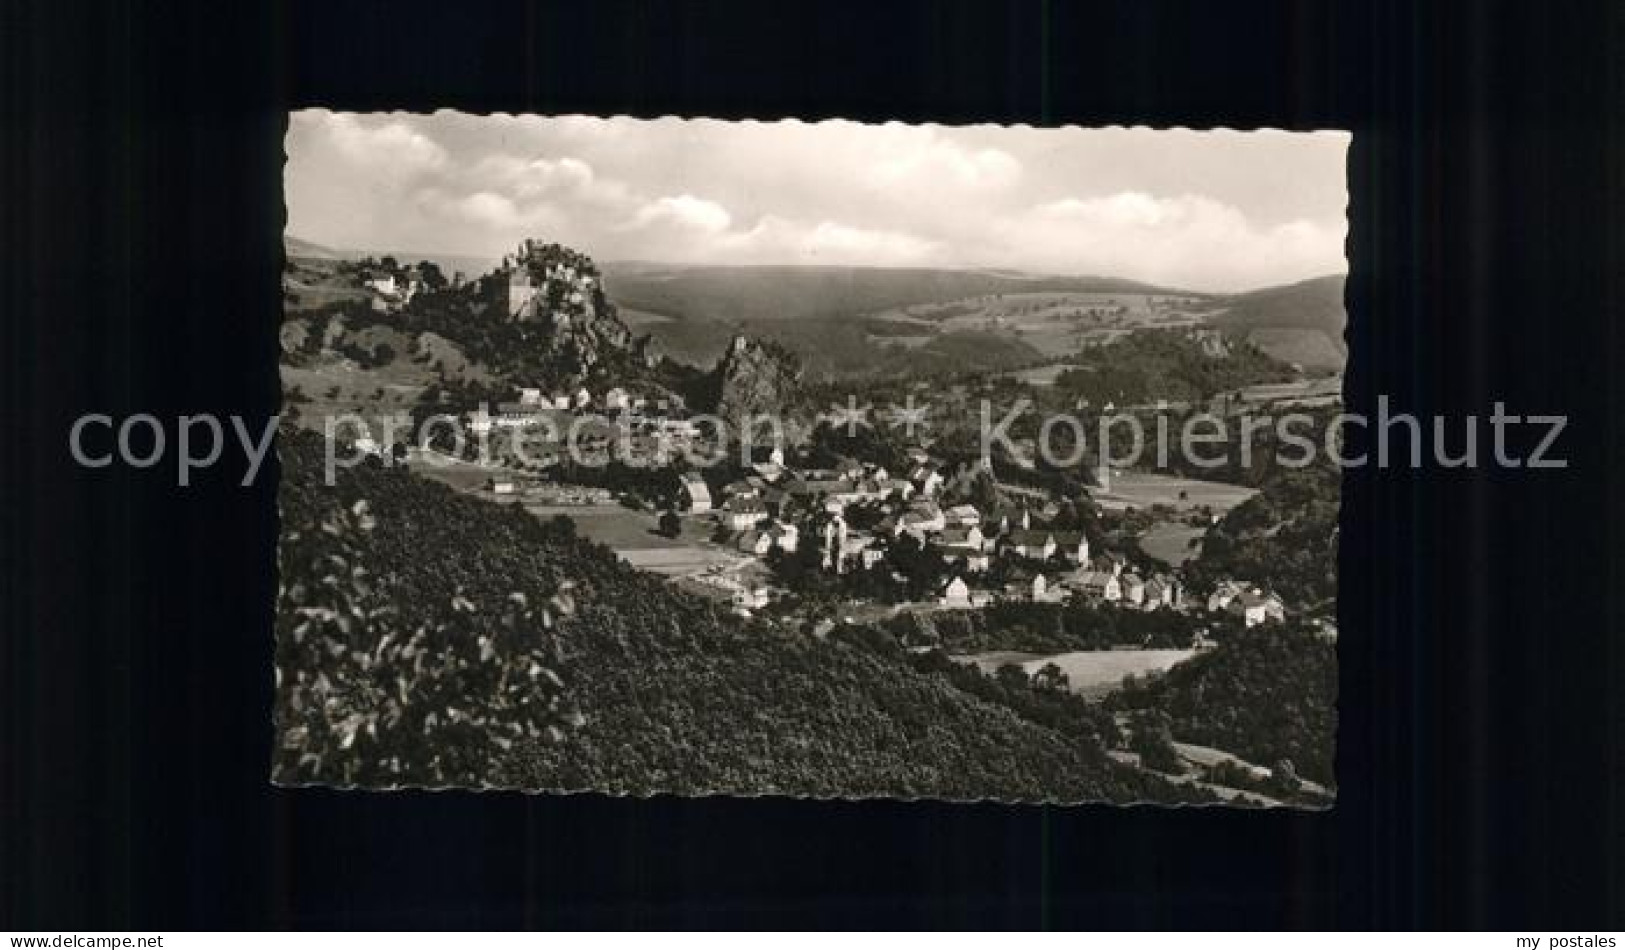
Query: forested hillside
{"type": "Point", "coordinates": [1176, 365]}
{"type": "Point", "coordinates": [1268, 694]}
{"type": "Point", "coordinates": [1285, 538]}
{"type": "Point", "coordinates": [1300, 323]}
{"type": "Point", "coordinates": [790, 292]}
{"type": "Point", "coordinates": [428, 638]}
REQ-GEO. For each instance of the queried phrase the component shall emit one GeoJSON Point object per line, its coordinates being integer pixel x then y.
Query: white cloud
{"type": "Point", "coordinates": [845, 243]}
{"type": "Point", "coordinates": [1188, 240]}
{"type": "Point", "coordinates": [540, 179]}
{"type": "Point", "coordinates": [921, 158]}
{"type": "Point", "coordinates": [779, 240]}
{"type": "Point", "coordinates": [392, 148]}
{"type": "Point", "coordinates": [1128, 209]}
{"type": "Point", "coordinates": [684, 212]}
{"type": "Point", "coordinates": [485, 207]}
{"type": "Point", "coordinates": [1199, 210]}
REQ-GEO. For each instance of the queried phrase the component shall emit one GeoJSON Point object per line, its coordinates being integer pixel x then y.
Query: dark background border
{"type": "Point", "coordinates": [1481, 674]}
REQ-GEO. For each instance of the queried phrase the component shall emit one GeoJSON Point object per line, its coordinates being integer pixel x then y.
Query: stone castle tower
{"type": "Point", "coordinates": [834, 546]}
{"type": "Point", "coordinates": [522, 291]}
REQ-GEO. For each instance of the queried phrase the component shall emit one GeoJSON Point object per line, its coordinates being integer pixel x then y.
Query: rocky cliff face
{"type": "Point", "coordinates": [561, 292]}
{"type": "Point", "coordinates": [754, 376]}
{"type": "Point", "coordinates": [1214, 345]}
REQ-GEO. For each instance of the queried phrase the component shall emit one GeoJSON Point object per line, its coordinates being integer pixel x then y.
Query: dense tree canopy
{"type": "Point", "coordinates": [539, 660]}
{"type": "Point", "coordinates": [1172, 364]}
{"type": "Point", "coordinates": [1267, 694]}
{"type": "Point", "coordinates": [1284, 538]}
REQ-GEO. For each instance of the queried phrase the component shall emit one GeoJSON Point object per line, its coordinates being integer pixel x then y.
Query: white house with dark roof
{"type": "Point", "coordinates": [896, 488]}
{"type": "Point", "coordinates": [956, 594]}
{"type": "Point", "coordinates": [1223, 593]}
{"type": "Point", "coordinates": [1255, 607]}
{"type": "Point", "coordinates": [1160, 591]}
{"type": "Point", "coordinates": [786, 537]}
{"type": "Point", "coordinates": [1102, 585]}
{"type": "Point", "coordinates": [929, 482]}
{"type": "Point", "coordinates": [1110, 561]}
{"type": "Point", "coordinates": [692, 492]}
{"type": "Point", "coordinates": [1036, 589]}
{"type": "Point", "coordinates": [752, 541]}
{"type": "Point", "coordinates": [749, 597]}
{"type": "Point", "coordinates": [921, 518]}
{"type": "Point", "coordinates": [743, 511]}
{"type": "Point", "coordinates": [960, 540]}
{"type": "Point", "coordinates": [860, 550]}
{"type": "Point", "coordinates": [973, 562]}
{"type": "Point", "coordinates": [1037, 544]}
{"type": "Point", "coordinates": [1072, 545]}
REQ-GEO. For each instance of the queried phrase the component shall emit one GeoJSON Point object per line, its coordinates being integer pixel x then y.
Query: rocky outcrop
{"type": "Point", "coordinates": [754, 376]}
{"type": "Point", "coordinates": [561, 291]}
{"type": "Point", "coordinates": [1214, 345]}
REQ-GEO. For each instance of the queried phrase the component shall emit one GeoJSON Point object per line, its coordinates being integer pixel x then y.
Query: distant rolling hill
{"type": "Point", "coordinates": [1300, 323]}
{"type": "Point", "coordinates": [786, 292]}
{"type": "Point", "coordinates": [818, 311]}
{"type": "Point", "coordinates": [299, 247]}
{"type": "Point", "coordinates": [469, 265]}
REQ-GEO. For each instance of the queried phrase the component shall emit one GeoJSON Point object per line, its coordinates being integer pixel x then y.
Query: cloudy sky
{"type": "Point", "coordinates": [1214, 211]}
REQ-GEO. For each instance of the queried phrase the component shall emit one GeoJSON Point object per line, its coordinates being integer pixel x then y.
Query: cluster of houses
{"type": "Point", "coordinates": [1252, 604]}
{"type": "Point", "coordinates": [558, 410]}
{"type": "Point", "coordinates": [390, 290]}
{"type": "Point", "coordinates": [744, 590]}
{"type": "Point", "coordinates": [1102, 580]}
{"type": "Point", "coordinates": [548, 494]}
{"type": "Point", "coordinates": [389, 294]}
{"type": "Point", "coordinates": [776, 507]}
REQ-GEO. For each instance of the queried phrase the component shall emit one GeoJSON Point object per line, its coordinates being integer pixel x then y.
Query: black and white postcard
{"type": "Point", "coordinates": [827, 460]}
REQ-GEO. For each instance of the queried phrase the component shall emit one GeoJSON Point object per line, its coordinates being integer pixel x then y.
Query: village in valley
{"type": "Point", "coordinates": [833, 517]}
{"type": "Point", "coordinates": [560, 522]}
{"type": "Point", "coordinates": [739, 522]}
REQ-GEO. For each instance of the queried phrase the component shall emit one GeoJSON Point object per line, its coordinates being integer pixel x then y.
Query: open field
{"type": "Point", "coordinates": [334, 385]}
{"type": "Point", "coordinates": [312, 283]}
{"type": "Point", "coordinates": [642, 318]}
{"type": "Point", "coordinates": [632, 535]}
{"type": "Point", "coordinates": [1306, 392]}
{"type": "Point", "coordinates": [463, 476]}
{"type": "Point", "coordinates": [1038, 375]}
{"type": "Point", "coordinates": [1299, 323]}
{"type": "Point", "coordinates": [1055, 323]}
{"type": "Point", "coordinates": [1169, 542]}
{"type": "Point", "coordinates": [1091, 673]}
{"type": "Point", "coordinates": [1144, 489]}
{"type": "Point", "coordinates": [624, 529]}
{"type": "Point", "coordinates": [679, 561]}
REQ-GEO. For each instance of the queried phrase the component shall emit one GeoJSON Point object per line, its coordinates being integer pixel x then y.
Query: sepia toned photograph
{"type": "Point", "coordinates": [828, 460]}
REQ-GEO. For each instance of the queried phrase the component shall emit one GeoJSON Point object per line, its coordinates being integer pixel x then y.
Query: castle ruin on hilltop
{"type": "Point", "coordinates": [549, 281]}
